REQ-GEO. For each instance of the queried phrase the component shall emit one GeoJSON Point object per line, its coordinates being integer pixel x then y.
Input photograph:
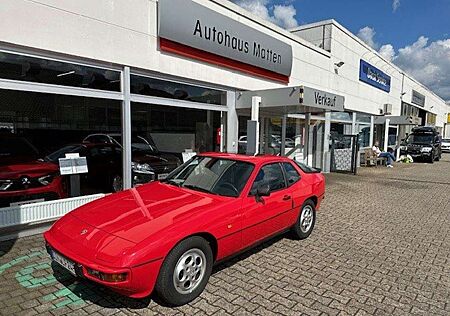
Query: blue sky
{"type": "Point", "coordinates": [410, 20]}
{"type": "Point", "coordinates": [414, 34]}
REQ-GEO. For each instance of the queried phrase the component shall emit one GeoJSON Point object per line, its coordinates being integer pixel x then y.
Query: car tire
{"type": "Point", "coordinates": [116, 183]}
{"type": "Point", "coordinates": [305, 221]}
{"type": "Point", "coordinates": [185, 272]}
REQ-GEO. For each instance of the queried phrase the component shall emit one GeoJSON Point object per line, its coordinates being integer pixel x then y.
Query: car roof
{"type": "Point", "coordinates": [247, 158]}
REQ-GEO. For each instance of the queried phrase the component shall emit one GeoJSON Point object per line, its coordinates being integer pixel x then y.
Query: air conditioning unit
{"type": "Point", "coordinates": [387, 109]}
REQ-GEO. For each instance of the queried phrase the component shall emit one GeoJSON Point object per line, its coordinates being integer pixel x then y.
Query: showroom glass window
{"type": "Point", "coordinates": [175, 90]}
{"type": "Point", "coordinates": [37, 129]}
{"type": "Point", "coordinates": [33, 69]}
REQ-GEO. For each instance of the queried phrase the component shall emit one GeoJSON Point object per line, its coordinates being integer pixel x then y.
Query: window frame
{"type": "Point", "coordinates": [285, 173]}
{"type": "Point", "coordinates": [267, 164]}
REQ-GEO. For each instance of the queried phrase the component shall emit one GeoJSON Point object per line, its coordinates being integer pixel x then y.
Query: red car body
{"type": "Point", "coordinates": [26, 187]}
{"type": "Point", "coordinates": [133, 231]}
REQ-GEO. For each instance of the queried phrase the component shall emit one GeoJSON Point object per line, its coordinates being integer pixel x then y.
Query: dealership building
{"type": "Point", "coordinates": [103, 79]}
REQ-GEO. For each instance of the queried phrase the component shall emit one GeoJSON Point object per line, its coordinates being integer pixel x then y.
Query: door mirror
{"type": "Point", "coordinates": [263, 190]}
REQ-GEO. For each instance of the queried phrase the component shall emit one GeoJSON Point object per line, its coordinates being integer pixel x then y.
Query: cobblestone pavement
{"type": "Point", "coordinates": [381, 246]}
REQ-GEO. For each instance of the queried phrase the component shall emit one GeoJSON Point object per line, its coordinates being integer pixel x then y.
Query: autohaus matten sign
{"type": "Point", "coordinates": [230, 43]}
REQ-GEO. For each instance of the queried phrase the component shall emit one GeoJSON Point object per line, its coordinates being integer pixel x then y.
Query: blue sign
{"type": "Point", "coordinates": [374, 76]}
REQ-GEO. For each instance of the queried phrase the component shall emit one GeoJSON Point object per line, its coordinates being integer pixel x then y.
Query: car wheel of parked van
{"type": "Point", "coordinates": [185, 271]}
{"type": "Point", "coordinates": [306, 220]}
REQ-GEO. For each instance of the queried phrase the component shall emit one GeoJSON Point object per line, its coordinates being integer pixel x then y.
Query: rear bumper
{"type": "Point", "coordinates": [140, 280]}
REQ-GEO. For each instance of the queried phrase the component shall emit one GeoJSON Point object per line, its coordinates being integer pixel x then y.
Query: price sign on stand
{"type": "Point", "coordinates": [73, 165]}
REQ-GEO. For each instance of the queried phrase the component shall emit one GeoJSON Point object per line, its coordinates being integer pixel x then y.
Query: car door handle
{"type": "Point", "coordinates": [286, 197]}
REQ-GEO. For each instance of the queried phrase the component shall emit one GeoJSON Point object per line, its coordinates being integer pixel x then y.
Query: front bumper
{"type": "Point", "coordinates": [53, 191]}
{"type": "Point", "coordinates": [140, 280]}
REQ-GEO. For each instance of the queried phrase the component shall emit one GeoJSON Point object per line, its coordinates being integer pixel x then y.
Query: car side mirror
{"type": "Point", "coordinates": [262, 190]}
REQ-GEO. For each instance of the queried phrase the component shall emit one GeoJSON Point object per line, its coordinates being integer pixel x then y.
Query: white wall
{"type": "Point", "coordinates": [124, 32]}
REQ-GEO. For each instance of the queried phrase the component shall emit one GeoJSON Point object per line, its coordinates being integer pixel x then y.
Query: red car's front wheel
{"type": "Point", "coordinates": [185, 271]}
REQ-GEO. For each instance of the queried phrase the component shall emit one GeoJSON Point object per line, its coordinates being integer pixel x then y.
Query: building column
{"type": "Point", "coordinates": [232, 132]}
{"type": "Point", "coordinates": [354, 123]}
{"type": "Point", "coordinates": [326, 143]}
{"type": "Point", "coordinates": [371, 131]}
{"type": "Point", "coordinates": [307, 136]}
{"type": "Point", "coordinates": [283, 135]}
{"type": "Point", "coordinates": [126, 130]}
{"type": "Point", "coordinates": [386, 134]}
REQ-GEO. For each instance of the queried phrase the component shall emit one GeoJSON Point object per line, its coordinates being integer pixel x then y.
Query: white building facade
{"type": "Point", "coordinates": [160, 70]}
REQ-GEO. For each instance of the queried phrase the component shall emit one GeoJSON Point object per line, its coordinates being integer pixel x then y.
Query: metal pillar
{"type": "Point", "coordinates": [232, 132]}
{"type": "Point", "coordinates": [126, 129]}
{"type": "Point", "coordinates": [386, 134]}
{"type": "Point", "coordinates": [283, 135]}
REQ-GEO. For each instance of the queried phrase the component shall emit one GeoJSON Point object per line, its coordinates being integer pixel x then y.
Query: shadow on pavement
{"type": "Point", "coordinates": [94, 293]}
{"type": "Point", "coordinates": [7, 245]}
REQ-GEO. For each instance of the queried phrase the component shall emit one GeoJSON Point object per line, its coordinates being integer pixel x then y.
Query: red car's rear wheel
{"type": "Point", "coordinates": [185, 271]}
{"type": "Point", "coordinates": [306, 220]}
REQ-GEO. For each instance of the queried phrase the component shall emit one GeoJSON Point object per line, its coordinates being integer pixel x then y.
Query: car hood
{"type": "Point", "coordinates": [31, 169]}
{"type": "Point", "coordinates": [137, 213]}
{"type": "Point", "coordinates": [155, 158]}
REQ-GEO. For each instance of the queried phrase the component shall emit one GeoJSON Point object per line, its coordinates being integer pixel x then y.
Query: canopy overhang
{"type": "Point", "coordinates": [291, 100]}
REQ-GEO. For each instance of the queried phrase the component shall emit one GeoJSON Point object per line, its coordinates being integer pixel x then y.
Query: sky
{"type": "Point", "coordinates": [413, 34]}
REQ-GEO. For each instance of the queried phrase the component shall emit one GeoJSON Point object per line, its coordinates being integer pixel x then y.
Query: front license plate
{"type": "Point", "coordinates": [162, 176]}
{"type": "Point", "coordinates": [64, 262]}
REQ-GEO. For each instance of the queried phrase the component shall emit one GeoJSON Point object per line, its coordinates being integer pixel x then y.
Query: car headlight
{"type": "Point", "coordinates": [5, 184]}
{"type": "Point", "coordinates": [142, 168]}
{"type": "Point", "coordinates": [403, 148]}
{"type": "Point", "coordinates": [426, 149]}
{"type": "Point", "coordinates": [46, 180]}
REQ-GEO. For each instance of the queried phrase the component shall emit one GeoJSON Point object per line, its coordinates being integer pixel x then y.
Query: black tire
{"type": "Point", "coordinates": [165, 288]}
{"type": "Point", "coordinates": [438, 157]}
{"type": "Point", "coordinates": [116, 183]}
{"type": "Point", "coordinates": [297, 231]}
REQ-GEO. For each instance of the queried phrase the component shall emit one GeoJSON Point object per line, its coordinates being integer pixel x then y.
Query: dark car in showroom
{"type": "Point", "coordinates": [24, 178]}
{"type": "Point", "coordinates": [424, 143]}
{"type": "Point", "coordinates": [104, 159]}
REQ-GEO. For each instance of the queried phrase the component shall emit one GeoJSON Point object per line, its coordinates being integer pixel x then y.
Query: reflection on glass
{"type": "Point", "coordinates": [174, 90]}
{"type": "Point", "coordinates": [24, 68]}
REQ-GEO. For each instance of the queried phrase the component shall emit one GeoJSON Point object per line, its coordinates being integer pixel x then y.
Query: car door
{"type": "Point", "coordinates": [264, 216]}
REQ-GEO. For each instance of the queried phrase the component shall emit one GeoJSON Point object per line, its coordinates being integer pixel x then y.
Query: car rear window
{"type": "Point", "coordinates": [306, 168]}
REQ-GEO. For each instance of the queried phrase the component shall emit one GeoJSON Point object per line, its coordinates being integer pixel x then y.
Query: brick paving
{"type": "Point", "coordinates": [381, 246]}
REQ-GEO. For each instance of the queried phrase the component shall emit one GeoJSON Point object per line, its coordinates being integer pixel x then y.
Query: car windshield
{"type": "Point", "coordinates": [219, 176]}
{"type": "Point", "coordinates": [61, 153]}
{"type": "Point", "coordinates": [140, 144]}
{"type": "Point", "coordinates": [420, 139]}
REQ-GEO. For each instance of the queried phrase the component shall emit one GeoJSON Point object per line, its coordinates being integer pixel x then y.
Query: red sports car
{"type": "Point", "coordinates": [166, 236]}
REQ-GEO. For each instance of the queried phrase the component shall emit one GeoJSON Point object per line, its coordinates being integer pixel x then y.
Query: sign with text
{"type": "Point", "coordinates": [73, 164]}
{"type": "Point", "coordinates": [374, 76]}
{"type": "Point", "coordinates": [196, 26]}
{"type": "Point", "coordinates": [418, 98]}
{"type": "Point", "coordinates": [321, 99]}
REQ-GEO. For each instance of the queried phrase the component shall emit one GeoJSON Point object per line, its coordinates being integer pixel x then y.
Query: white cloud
{"type": "Point", "coordinates": [387, 51]}
{"type": "Point", "coordinates": [429, 63]}
{"type": "Point", "coordinates": [395, 5]}
{"type": "Point", "coordinates": [367, 35]}
{"type": "Point", "coordinates": [283, 15]}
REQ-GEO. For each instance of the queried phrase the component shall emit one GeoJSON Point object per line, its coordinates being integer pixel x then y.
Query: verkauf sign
{"type": "Point", "coordinates": [193, 30]}
{"type": "Point", "coordinates": [374, 76]}
{"type": "Point", "coordinates": [418, 98]}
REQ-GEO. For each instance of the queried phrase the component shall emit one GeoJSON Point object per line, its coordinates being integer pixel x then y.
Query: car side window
{"type": "Point", "coordinates": [292, 175]}
{"type": "Point", "coordinates": [269, 174]}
